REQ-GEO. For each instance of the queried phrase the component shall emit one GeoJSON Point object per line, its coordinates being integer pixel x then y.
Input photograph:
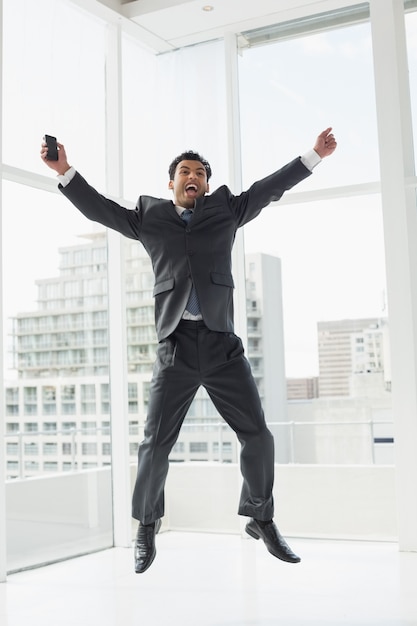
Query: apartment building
{"type": "Point", "coordinates": [58, 406]}
{"type": "Point", "coordinates": [350, 347]}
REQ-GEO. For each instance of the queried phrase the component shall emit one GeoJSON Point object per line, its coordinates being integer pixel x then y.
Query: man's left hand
{"type": "Point", "coordinates": [325, 143]}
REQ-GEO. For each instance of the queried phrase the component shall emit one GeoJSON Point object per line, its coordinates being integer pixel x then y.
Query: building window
{"type": "Point", "coordinates": [49, 400]}
{"type": "Point", "coordinates": [133, 428]}
{"type": "Point", "coordinates": [198, 446]}
{"type": "Point", "coordinates": [133, 448]}
{"type": "Point", "coordinates": [30, 399]}
{"type": "Point", "coordinates": [89, 427]}
{"type": "Point", "coordinates": [89, 448]}
{"type": "Point", "coordinates": [105, 398]}
{"type": "Point", "coordinates": [226, 446]}
{"type": "Point", "coordinates": [31, 466]}
{"type": "Point", "coordinates": [68, 425]}
{"type": "Point", "coordinates": [50, 466]}
{"type": "Point", "coordinates": [50, 449]}
{"type": "Point", "coordinates": [31, 427]}
{"type": "Point", "coordinates": [49, 427]}
{"type": "Point", "coordinates": [12, 401]}
{"type": "Point", "coordinates": [88, 399]}
{"type": "Point", "coordinates": [106, 448]}
{"type": "Point", "coordinates": [31, 449]}
{"type": "Point", "coordinates": [12, 449]}
{"type": "Point", "coordinates": [68, 406]}
{"type": "Point", "coordinates": [67, 449]}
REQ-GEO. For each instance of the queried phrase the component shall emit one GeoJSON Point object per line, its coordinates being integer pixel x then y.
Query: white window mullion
{"type": "Point", "coordinates": [400, 227]}
{"type": "Point", "coordinates": [3, 565]}
{"type": "Point", "coordinates": [117, 311]}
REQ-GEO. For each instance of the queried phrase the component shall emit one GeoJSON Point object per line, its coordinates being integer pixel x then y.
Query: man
{"type": "Point", "coordinates": [189, 241]}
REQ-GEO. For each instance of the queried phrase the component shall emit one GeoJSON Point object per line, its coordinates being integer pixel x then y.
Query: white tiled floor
{"type": "Point", "coordinates": [220, 580]}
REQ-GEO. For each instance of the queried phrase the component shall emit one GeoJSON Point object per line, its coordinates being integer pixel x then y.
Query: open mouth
{"type": "Point", "coordinates": [191, 189]}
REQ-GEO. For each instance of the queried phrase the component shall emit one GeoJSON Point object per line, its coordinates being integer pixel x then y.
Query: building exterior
{"type": "Point", "coordinates": [348, 347]}
{"type": "Point", "coordinates": [266, 351]}
{"type": "Point", "coordinates": [302, 388]}
{"type": "Point", "coordinates": [58, 406]}
{"type": "Point", "coordinates": [350, 420]}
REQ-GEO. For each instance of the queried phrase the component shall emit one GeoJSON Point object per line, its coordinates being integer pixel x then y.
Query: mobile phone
{"type": "Point", "coordinates": [52, 148]}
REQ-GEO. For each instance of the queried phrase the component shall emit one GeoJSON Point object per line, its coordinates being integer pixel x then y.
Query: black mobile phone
{"type": "Point", "coordinates": [52, 148]}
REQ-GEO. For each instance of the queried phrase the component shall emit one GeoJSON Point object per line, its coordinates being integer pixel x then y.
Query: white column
{"type": "Point", "coordinates": [400, 226]}
{"type": "Point", "coordinates": [3, 564]}
{"type": "Point", "coordinates": [235, 176]}
{"type": "Point", "coordinates": [116, 304]}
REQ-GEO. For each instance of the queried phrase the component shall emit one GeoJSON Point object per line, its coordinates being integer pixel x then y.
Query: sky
{"type": "Point", "coordinates": [332, 252]}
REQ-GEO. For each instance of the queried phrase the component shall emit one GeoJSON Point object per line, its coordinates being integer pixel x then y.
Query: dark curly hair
{"type": "Point", "coordinates": [190, 155]}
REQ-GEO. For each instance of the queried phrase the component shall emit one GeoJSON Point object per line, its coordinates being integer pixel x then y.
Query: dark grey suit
{"type": "Point", "coordinates": [190, 353]}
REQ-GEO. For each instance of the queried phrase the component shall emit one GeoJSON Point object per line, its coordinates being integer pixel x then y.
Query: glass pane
{"type": "Point", "coordinates": [336, 328]}
{"type": "Point", "coordinates": [157, 128]}
{"type": "Point", "coordinates": [334, 319]}
{"type": "Point", "coordinates": [53, 73]}
{"type": "Point", "coordinates": [172, 116]}
{"type": "Point", "coordinates": [55, 297]}
{"type": "Point", "coordinates": [291, 90]}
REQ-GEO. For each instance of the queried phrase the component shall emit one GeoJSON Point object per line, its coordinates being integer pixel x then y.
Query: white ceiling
{"type": "Point", "coordinates": [168, 24]}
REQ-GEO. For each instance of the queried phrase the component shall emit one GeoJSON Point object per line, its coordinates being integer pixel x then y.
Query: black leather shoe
{"type": "Point", "coordinates": [145, 550]}
{"type": "Point", "coordinates": [273, 540]}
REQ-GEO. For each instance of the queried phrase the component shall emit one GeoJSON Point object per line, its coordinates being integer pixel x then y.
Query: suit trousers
{"type": "Point", "coordinates": [192, 356]}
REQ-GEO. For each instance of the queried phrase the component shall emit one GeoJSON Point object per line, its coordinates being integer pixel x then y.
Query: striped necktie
{"type": "Point", "coordinates": [193, 305]}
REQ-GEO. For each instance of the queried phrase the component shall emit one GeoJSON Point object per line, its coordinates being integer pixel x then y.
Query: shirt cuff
{"type": "Point", "coordinates": [66, 178]}
{"type": "Point", "coordinates": [310, 159]}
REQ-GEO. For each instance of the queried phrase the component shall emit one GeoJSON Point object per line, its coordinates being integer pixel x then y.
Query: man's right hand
{"type": "Point", "coordinates": [61, 165]}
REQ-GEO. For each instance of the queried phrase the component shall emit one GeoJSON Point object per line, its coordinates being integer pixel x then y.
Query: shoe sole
{"type": "Point", "coordinates": [252, 533]}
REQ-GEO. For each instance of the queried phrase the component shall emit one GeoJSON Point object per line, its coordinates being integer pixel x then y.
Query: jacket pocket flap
{"type": "Point", "coordinates": [222, 279]}
{"type": "Point", "coordinates": [164, 285]}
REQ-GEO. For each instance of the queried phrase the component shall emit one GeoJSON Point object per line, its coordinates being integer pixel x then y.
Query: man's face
{"type": "Point", "coordinates": [190, 182]}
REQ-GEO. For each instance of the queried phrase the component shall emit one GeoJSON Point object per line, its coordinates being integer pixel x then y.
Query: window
{"type": "Point", "coordinates": [198, 446]}
{"type": "Point", "coordinates": [133, 428]}
{"type": "Point", "coordinates": [89, 427]}
{"type": "Point", "coordinates": [50, 449]}
{"type": "Point", "coordinates": [31, 427]}
{"type": "Point", "coordinates": [106, 449]}
{"type": "Point", "coordinates": [50, 466]}
{"type": "Point", "coordinates": [66, 448]}
{"type": "Point", "coordinates": [133, 448]}
{"type": "Point", "coordinates": [69, 425]}
{"type": "Point", "coordinates": [49, 426]}
{"type": "Point", "coordinates": [89, 448]}
{"type": "Point", "coordinates": [31, 449]}
{"type": "Point", "coordinates": [12, 449]}
{"type": "Point", "coordinates": [88, 399]}
{"type": "Point", "coordinates": [31, 466]}
{"type": "Point", "coordinates": [49, 400]}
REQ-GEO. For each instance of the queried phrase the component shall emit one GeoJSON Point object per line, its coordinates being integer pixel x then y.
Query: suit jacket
{"type": "Point", "coordinates": [181, 253]}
